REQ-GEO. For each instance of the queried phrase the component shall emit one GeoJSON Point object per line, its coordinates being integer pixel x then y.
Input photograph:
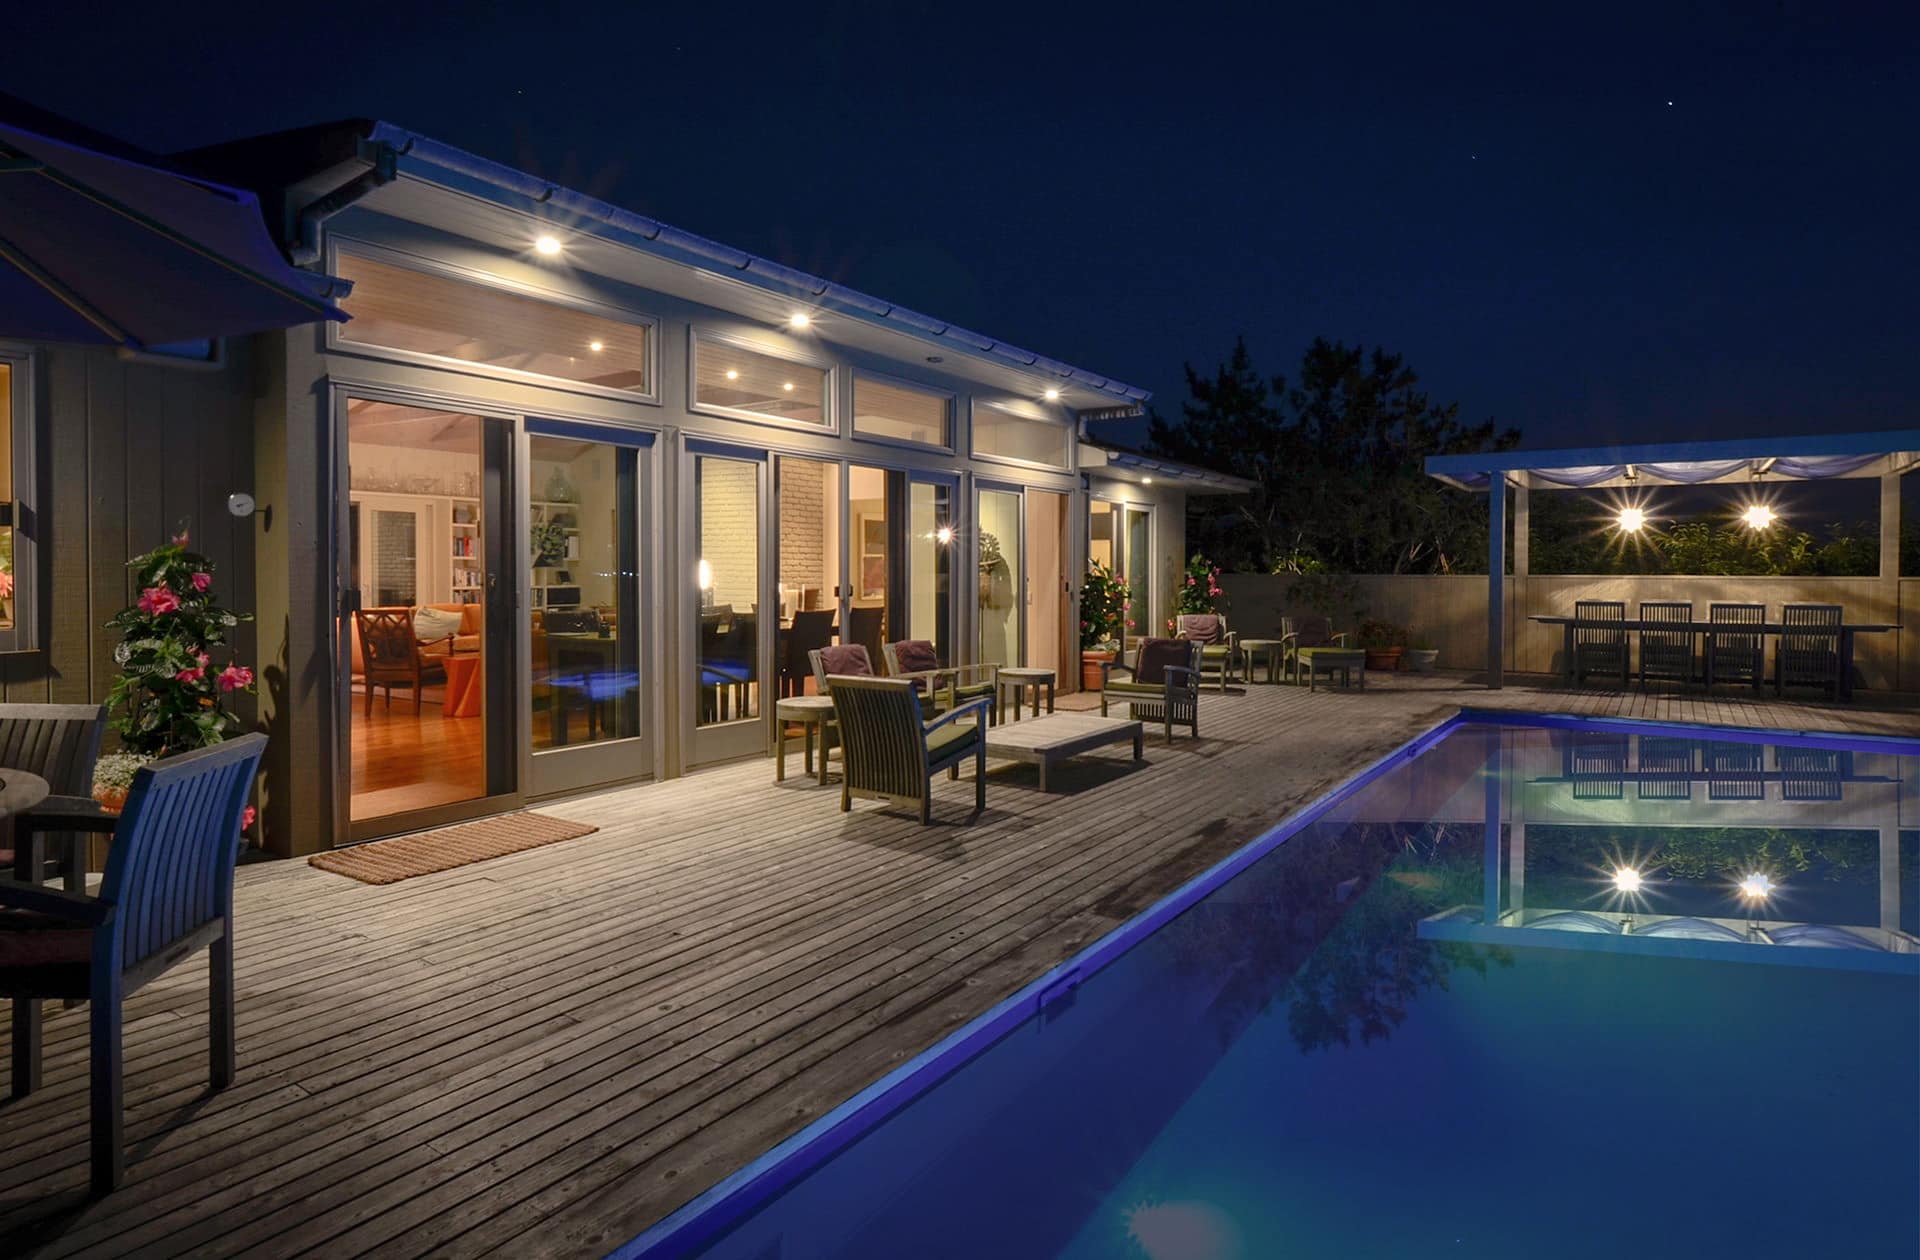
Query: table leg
{"type": "Point", "coordinates": [1043, 770]}
{"type": "Point", "coordinates": [1363, 678]}
{"type": "Point", "coordinates": [1140, 744]}
{"type": "Point", "coordinates": [1843, 686]}
{"type": "Point", "coordinates": [1566, 655]}
{"type": "Point", "coordinates": [780, 749]}
{"type": "Point", "coordinates": [1049, 695]}
{"type": "Point", "coordinates": [27, 1014]}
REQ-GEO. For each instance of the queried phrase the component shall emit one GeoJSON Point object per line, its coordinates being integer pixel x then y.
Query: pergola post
{"type": "Point", "coordinates": [1890, 568]}
{"type": "Point", "coordinates": [1496, 580]}
{"type": "Point", "coordinates": [1522, 563]}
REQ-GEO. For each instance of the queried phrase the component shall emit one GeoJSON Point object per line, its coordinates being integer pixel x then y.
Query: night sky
{"type": "Point", "coordinates": [1593, 224]}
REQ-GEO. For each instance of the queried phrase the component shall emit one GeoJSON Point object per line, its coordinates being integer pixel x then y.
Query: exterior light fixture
{"type": "Point", "coordinates": [733, 374]}
{"type": "Point", "coordinates": [1758, 516]}
{"type": "Point", "coordinates": [596, 346]}
{"type": "Point", "coordinates": [1053, 395]}
{"type": "Point", "coordinates": [703, 573]}
{"type": "Point", "coordinates": [547, 245]}
{"type": "Point", "coordinates": [1631, 520]}
{"type": "Point", "coordinates": [943, 535]}
{"type": "Point", "coordinates": [799, 319]}
{"type": "Point", "coordinates": [1626, 879]}
{"type": "Point", "coordinates": [1146, 481]}
{"type": "Point", "coordinates": [788, 386]}
{"type": "Point", "coordinates": [1756, 887]}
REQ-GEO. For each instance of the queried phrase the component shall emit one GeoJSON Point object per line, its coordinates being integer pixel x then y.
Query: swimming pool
{"type": "Point", "coordinates": [1666, 1003]}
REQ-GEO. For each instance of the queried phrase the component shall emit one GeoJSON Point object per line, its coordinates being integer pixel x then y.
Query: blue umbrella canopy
{"type": "Point", "coordinates": [102, 245]}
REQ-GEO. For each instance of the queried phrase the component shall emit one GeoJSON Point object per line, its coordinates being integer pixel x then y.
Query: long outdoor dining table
{"type": "Point", "coordinates": [1774, 628]}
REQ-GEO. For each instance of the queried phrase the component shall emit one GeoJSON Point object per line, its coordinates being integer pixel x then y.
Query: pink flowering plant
{"type": "Point", "coordinates": [1105, 605]}
{"type": "Point", "coordinates": [1199, 590]}
{"type": "Point", "coordinates": [171, 695]}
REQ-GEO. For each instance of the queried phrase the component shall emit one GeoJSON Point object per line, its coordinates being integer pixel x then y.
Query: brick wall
{"type": "Point", "coordinates": [803, 538]}
{"type": "Point", "coordinates": [729, 513]}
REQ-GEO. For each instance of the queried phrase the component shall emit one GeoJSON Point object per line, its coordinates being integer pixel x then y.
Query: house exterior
{"type": "Point", "coordinates": [613, 478]}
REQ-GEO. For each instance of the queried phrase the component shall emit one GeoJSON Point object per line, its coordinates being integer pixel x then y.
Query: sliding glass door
{"type": "Point", "coordinates": [732, 641]}
{"type": "Point", "coordinates": [1120, 537]}
{"type": "Point", "coordinates": [1001, 600]}
{"type": "Point", "coordinates": [427, 729]}
{"type": "Point", "coordinates": [929, 563]}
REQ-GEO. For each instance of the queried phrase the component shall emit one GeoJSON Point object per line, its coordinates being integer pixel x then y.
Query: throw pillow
{"type": "Point", "coordinates": [433, 624]}
{"type": "Point", "coordinates": [846, 658]}
{"type": "Point", "coordinates": [916, 656]}
{"type": "Point", "coordinates": [1201, 628]}
{"type": "Point", "coordinates": [1150, 666]}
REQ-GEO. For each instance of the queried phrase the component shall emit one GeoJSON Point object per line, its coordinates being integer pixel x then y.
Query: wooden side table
{"type": "Point", "coordinates": [463, 686]}
{"type": "Point", "coordinates": [815, 713]}
{"type": "Point", "coordinates": [1257, 648]}
{"type": "Point", "coordinates": [1021, 679]}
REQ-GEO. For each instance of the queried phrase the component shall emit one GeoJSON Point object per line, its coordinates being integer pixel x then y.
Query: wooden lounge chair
{"type": "Point", "coordinates": [168, 892]}
{"type": "Point", "coordinates": [1667, 653]}
{"type": "Point", "coordinates": [1736, 653]}
{"type": "Point", "coordinates": [1808, 654]}
{"type": "Point", "coordinates": [60, 743]}
{"type": "Point", "coordinates": [1600, 649]}
{"type": "Point", "coordinates": [1162, 684]}
{"type": "Point", "coordinates": [889, 751]}
{"type": "Point", "coordinates": [917, 659]}
{"type": "Point", "coordinates": [1310, 630]}
{"type": "Point", "coordinates": [1219, 647]}
{"type": "Point", "coordinates": [391, 656]}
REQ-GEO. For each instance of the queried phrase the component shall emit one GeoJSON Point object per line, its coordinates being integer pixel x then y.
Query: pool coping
{"type": "Point", "coordinates": [729, 1201]}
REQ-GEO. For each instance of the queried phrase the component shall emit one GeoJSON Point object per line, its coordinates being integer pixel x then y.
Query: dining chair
{"type": "Point", "coordinates": [810, 630]}
{"type": "Point", "coordinates": [1666, 653]}
{"type": "Point", "coordinates": [1600, 649]}
{"type": "Point", "coordinates": [168, 893]}
{"type": "Point", "coordinates": [1808, 654]}
{"type": "Point", "coordinates": [866, 627]}
{"type": "Point", "coordinates": [60, 743]}
{"type": "Point", "coordinates": [1736, 645]}
{"type": "Point", "coordinates": [391, 655]}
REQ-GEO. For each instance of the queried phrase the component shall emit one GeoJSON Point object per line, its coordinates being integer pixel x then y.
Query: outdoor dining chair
{"type": "Point", "coordinates": [1666, 653]}
{"type": "Point", "coordinates": [948, 685]}
{"type": "Point", "coordinates": [1600, 649]}
{"type": "Point", "coordinates": [1808, 654]}
{"type": "Point", "coordinates": [890, 752]}
{"type": "Point", "coordinates": [1162, 684]}
{"type": "Point", "coordinates": [1308, 630]}
{"type": "Point", "coordinates": [1736, 646]}
{"type": "Point", "coordinates": [1219, 647]}
{"type": "Point", "coordinates": [60, 743]}
{"type": "Point", "coordinates": [168, 893]}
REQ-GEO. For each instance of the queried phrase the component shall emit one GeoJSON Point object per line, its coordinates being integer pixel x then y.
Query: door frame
{"type": "Point", "coordinates": [745, 737]}
{"type": "Point", "coordinates": [504, 577]}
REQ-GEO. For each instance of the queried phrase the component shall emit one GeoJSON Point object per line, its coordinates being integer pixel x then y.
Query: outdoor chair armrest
{"type": "Point", "coordinates": [1182, 669]}
{"type": "Point", "coordinates": [972, 706]}
{"type": "Point", "coordinates": [56, 903]}
{"type": "Point", "coordinates": [67, 813]}
{"type": "Point", "coordinates": [1340, 639]}
{"type": "Point", "coordinates": [1290, 639]}
{"type": "Point", "coordinates": [1108, 668]}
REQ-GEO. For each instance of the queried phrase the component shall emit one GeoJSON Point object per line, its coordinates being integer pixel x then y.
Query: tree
{"type": "Point", "coordinates": [1339, 457]}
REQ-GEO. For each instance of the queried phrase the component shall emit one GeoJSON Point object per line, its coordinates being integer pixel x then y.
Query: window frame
{"type": "Point", "coordinates": [23, 513]}
{"type": "Point", "coordinates": [951, 398]}
{"type": "Point", "coordinates": [830, 402]}
{"type": "Point", "coordinates": [1070, 467]}
{"type": "Point", "coordinates": [338, 342]}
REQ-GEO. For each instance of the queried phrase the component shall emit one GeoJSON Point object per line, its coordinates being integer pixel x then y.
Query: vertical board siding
{"type": "Point", "coordinates": [130, 452]}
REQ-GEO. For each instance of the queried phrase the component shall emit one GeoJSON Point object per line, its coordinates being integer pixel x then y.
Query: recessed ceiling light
{"type": "Point", "coordinates": [733, 374]}
{"type": "Point", "coordinates": [548, 245]}
{"type": "Point", "coordinates": [788, 386]}
{"type": "Point", "coordinates": [1146, 481]}
{"type": "Point", "coordinates": [1053, 395]}
{"type": "Point", "coordinates": [799, 319]}
{"type": "Point", "coordinates": [596, 345]}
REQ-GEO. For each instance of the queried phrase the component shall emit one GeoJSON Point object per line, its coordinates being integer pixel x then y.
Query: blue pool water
{"type": "Point", "coordinates": [1397, 1030]}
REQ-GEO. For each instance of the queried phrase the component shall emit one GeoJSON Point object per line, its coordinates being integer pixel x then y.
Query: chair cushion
{"type": "Point", "coordinates": [1213, 652]}
{"type": "Point", "coordinates": [1202, 628]}
{"type": "Point", "coordinates": [915, 656]}
{"type": "Point", "coordinates": [846, 658]}
{"type": "Point", "coordinates": [1150, 666]}
{"type": "Point", "coordinates": [950, 739]}
{"type": "Point", "coordinates": [1137, 688]}
{"type": "Point", "coordinates": [39, 940]}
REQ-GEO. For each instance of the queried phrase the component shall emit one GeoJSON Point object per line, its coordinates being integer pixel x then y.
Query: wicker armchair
{"type": "Point", "coordinates": [1162, 684]}
{"type": "Point", "coordinates": [890, 752]}
{"type": "Point", "coordinates": [391, 656]}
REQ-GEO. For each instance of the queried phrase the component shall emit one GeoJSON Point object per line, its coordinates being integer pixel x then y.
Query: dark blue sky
{"type": "Point", "coordinates": [1593, 224]}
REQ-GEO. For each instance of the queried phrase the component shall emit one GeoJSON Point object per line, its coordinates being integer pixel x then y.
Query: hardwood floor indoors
{"type": "Point", "coordinates": [402, 762]}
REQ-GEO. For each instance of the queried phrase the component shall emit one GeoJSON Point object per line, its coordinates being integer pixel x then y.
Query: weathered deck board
{"type": "Point", "coordinates": [542, 1054]}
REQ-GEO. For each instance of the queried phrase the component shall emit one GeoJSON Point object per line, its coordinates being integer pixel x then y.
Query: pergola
{"type": "Point", "coordinates": [1743, 461]}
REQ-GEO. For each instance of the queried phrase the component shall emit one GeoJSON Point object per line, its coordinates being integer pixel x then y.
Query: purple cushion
{"type": "Point", "coordinates": [1155, 655]}
{"type": "Point", "coordinates": [1202, 628]}
{"type": "Point", "coordinates": [846, 658]}
{"type": "Point", "coordinates": [915, 656]}
{"type": "Point", "coordinates": [39, 940]}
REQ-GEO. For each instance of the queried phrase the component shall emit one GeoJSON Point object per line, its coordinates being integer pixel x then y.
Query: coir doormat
{"type": "Point", "coordinates": [390, 861]}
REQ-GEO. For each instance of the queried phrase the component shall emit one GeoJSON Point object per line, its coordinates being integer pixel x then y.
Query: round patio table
{"type": "Point", "coordinates": [813, 713]}
{"type": "Point", "coordinates": [1020, 680]}
{"type": "Point", "coordinates": [20, 792]}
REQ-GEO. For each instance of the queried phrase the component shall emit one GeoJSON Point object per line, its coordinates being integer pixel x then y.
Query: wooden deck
{"type": "Point", "coordinates": [543, 1054]}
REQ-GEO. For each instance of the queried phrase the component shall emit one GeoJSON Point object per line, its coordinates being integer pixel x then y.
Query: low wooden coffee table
{"type": "Point", "coordinates": [1325, 660]}
{"type": "Point", "coordinates": [1042, 741]}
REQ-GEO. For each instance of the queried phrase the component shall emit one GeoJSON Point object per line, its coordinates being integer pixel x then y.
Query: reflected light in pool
{"type": "Point", "coordinates": [1186, 1230]}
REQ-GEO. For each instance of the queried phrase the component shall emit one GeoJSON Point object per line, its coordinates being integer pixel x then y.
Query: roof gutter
{"type": "Point", "coordinates": [760, 272]}
{"type": "Point", "coordinates": [306, 245]}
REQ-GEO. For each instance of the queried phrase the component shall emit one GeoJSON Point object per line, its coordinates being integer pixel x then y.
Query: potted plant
{"type": "Point", "coordinates": [1420, 654]}
{"type": "Point", "coordinates": [1105, 602]}
{"type": "Point", "coordinates": [113, 776]}
{"type": "Point", "coordinates": [1200, 592]}
{"type": "Point", "coordinates": [1383, 643]}
{"type": "Point", "coordinates": [549, 543]}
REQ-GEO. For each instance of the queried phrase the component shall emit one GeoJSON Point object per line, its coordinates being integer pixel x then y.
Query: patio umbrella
{"type": "Point", "coordinates": [104, 245]}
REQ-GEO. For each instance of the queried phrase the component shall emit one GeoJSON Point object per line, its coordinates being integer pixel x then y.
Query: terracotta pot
{"type": "Point", "coordinates": [113, 800]}
{"type": "Point", "coordinates": [1090, 660]}
{"type": "Point", "coordinates": [1384, 658]}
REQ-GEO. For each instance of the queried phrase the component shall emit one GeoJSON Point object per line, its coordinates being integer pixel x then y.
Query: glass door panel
{"type": "Point", "coordinates": [425, 541]}
{"type": "Point", "coordinates": [1139, 572]}
{"type": "Point", "coordinates": [583, 626]}
{"type": "Point", "coordinates": [1001, 584]}
{"type": "Point", "coordinates": [929, 549]}
{"type": "Point", "coordinates": [1048, 619]}
{"type": "Point", "coordinates": [869, 619]}
{"type": "Point", "coordinates": [727, 647]}
{"type": "Point", "coordinates": [808, 493]}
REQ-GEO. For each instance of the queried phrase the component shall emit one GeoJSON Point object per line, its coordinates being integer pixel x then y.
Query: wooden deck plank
{"type": "Point", "coordinates": [542, 1054]}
